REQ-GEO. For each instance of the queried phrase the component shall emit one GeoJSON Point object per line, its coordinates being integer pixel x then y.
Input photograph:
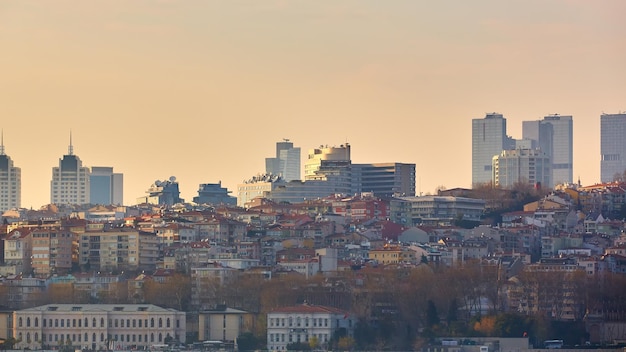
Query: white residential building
{"type": "Point", "coordinates": [97, 326]}
{"type": "Point", "coordinates": [302, 323]}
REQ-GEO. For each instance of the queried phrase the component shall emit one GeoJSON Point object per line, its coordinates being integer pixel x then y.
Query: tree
{"type": "Point", "coordinates": [432, 317]}
{"type": "Point", "coordinates": [247, 342]}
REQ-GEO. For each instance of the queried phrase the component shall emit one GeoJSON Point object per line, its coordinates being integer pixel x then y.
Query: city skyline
{"type": "Point", "coordinates": [202, 91]}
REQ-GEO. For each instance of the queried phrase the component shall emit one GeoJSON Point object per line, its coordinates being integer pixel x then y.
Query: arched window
{"type": "Point", "coordinates": [86, 322]}
{"type": "Point", "coordinates": [128, 323]}
{"type": "Point", "coordinates": [167, 322]}
{"type": "Point", "coordinates": [160, 325]}
{"type": "Point", "coordinates": [160, 337]}
{"type": "Point", "coordinates": [101, 322]}
{"type": "Point", "coordinates": [86, 336]}
{"type": "Point", "coordinates": [94, 323]}
{"type": "Point", "coordinates": [93, 337]}
{"type": "Point", "coordinates": [28, 337]}
{"type": "Point", "coordinates": [101, 337]}
{"type": "Point", "coordinates": [28, 322]}
{"type": "Point", "coordinates": [152, 337]}
{"type": "Point", "coordinates": [20, 322]}
{"type": "Point", "coordinates": [36, 336]}
{"type": "Point", "coordinates": [152, 325]}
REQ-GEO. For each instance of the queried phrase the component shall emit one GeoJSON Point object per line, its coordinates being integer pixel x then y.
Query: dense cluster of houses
{"type": "Point", "coordinates": [571, 229]}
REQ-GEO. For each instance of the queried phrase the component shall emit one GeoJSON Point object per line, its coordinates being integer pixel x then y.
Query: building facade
{"type": "Point", "coordinates": [286, 163]}
{"type": "Point", "coordinates": [440, 210]}
{"type": "Point", "coordinates": [612, 146]}
{"type": "Point", "coordinates": [527, 166]}
{"type": "Point", "coordinates": [488, 139]}
{"type": "Point", "coordinates": [384, 179]}
{"type": "Point", "coordinates": [162, 193]}
{"type": "Point", "coordinates": [105, 186]}
{"type": "Point", "coordinates": [306, 323]}
{"type": "Point", "coordinates": [325, 160]}
{"type": "Point", "coordinates": [555, 136]}
{"type": "Point", "coordinates": [214, 193]}
{"type": "Point", "coordinates": [97, 326]}
{"type": "Point", "coordinates": [70, 180]}
{"type": "Point", "coordinates": [10, 182]}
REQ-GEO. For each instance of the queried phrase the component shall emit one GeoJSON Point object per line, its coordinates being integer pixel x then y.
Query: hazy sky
{"type": "Point", "coordinates": [203, 90]}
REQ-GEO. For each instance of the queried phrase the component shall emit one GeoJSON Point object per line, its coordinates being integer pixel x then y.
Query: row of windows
{"type": "Point", "coordinates": [78, 323]}
{"type": "Point", "coordinates": [298, 321]}
{"type": "Point", "coordinates": [77, 337]}
{"type": "Point", "coordinates": [281, 337]}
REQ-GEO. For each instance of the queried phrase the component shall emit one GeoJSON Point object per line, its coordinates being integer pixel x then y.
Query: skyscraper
{"type": "Point", "coordinates": [286, 163]}
{"type": "Point", "coordinates": [105, 186]}
{"type": "Point", "coordinates": [554, 135]}
{"type": "Point", "coordinates": [70, 180]}
{"type": "Point", "coordinates": [488, 139]}
{"type": "Point", "coordinates": [10, 181]}
{"type": "Point", "coordinates": [612, 146]}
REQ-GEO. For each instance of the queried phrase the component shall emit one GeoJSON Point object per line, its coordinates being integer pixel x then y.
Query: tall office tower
{"type": "Point", "coordinates": [105, 186]}
{"type": "Point", "coordinates": [286, 163]}
{"type": "Point", "coordinates": [384, 179]}
{"type": "Point", "coordinates": [528, 166]}
{"type": "Point", "coordinates": [333, 162]}
{"type": "Point", "coordinates": [612, 146]}
{"type": "Point", "coordinates": [70, 180]}
{"type": "Point", "coordinates": [488, 139]}
{"type": "Point", "coordinates": [10, 182]}
{"type": "Point", "coordinates": [555, 136]}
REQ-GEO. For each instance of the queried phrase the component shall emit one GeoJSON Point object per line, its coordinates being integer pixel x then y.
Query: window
{"type": "Point", "coordinates": [167, 323]}
{"type": "Point", "coordinates": [28, 322]}
{"type": "Point", "coordinates": [160, 325]}
{"type": "Point", "coordinates": [19, 322]}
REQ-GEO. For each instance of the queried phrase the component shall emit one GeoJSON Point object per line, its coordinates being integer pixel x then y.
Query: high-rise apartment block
{"type": "Point", "coordinates": [528, 166]}
{"type": "Point", "coordinates": [488, 139]}
{"type": "Point", "coordinates": [554, 135]}
{"type": "Point", "coordinates": [105, 186]}
{"type": "Point", "coordinates": [612, 146]}
{"type": "Point", "coordinates": [384, 179]}
{"type": "Point", "coordinates": [10, 182]}
{"type": "Point", "coordinates": [70, 180]}
{"type": "Point", "coordinates": [286, 164]}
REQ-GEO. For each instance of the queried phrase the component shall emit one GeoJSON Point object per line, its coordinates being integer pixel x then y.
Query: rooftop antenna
{"type": "Point", "coordinates": [2, 142]}
{"type": "Point", "coordinates": [70, 149]}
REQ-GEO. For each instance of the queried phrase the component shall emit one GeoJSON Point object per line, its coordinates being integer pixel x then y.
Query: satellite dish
{"type": "Point", "coordinates": [172, 178]}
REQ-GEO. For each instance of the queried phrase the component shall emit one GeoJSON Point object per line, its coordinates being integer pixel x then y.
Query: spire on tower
{"type": "Point", "coordinates": [70, 149]}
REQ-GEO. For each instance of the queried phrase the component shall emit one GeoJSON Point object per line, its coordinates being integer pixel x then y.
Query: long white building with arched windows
{"type": "Point", "coordinates": [97, 326]}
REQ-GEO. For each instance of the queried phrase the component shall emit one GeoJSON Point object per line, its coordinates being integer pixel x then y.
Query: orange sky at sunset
{"type": "Point", "coordinates": [203, 90]}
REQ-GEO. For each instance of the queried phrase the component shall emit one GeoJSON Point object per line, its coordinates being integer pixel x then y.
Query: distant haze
{"type": "Point", "coordinates": [203, 90]}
